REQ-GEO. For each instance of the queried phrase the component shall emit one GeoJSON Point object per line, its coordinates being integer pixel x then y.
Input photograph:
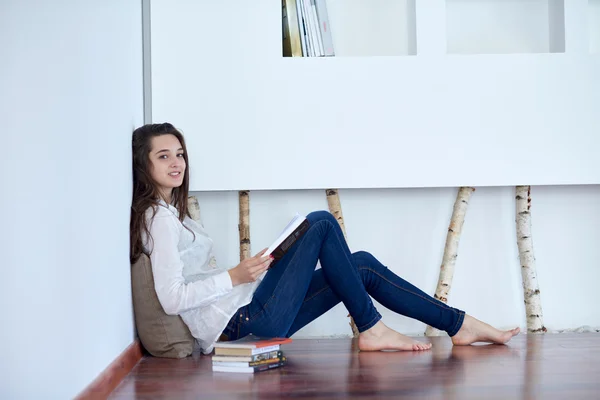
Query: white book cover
{"type": "Point", "coordinates": [287, 231]}
{"type": "Point", "coordinates": [325, 27]}
{"type": "Point", "coordinates": [302, 27]}
{"type": "Point", "coordinates": [310, 29]}
{"type": "Point", "coordinates": [315, 22]}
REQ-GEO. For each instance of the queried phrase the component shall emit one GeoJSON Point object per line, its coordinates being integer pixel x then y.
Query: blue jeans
{"type": "Point", "coordinates": [293, 293]}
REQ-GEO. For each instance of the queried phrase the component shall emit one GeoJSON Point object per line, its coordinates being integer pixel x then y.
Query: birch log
{"type": "Point", "coordinates": [531, 291]}
{"type": "Point", "coordinates": [244, 224]}
{"type": "Point", "coordinates": [451, 249]}
{"type": "Point", "coordinates": [194, 208]}
{"type": "Point", "coordinates": [335, 208]}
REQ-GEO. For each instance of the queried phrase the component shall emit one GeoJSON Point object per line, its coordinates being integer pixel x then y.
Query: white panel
{"type": "Point", "coordinates": [497, 26]}
{"type": "Point", "coordinates": [594, 25]}
{"type": "Point", "coordinates": [431, 27]}
{"type": "Point", "coordinates": [372, 27]}
{"type": "Point", "coordinates": [575, 26]}
{"type": "Point", "coordinates": [70, 96]}
{"type": "Point", "coordinates": [256, 120]}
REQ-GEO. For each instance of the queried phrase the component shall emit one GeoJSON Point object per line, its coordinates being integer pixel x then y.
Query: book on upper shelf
{"type": "Point", "coordinates": [290, 234]}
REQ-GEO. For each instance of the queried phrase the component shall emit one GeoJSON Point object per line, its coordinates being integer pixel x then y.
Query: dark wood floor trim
{"type": "Point", "coordinates": [110, 378]}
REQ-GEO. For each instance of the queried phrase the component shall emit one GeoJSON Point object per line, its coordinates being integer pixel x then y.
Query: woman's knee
{"type": "Point", "coordinates": [369, 269]}
{"type": "Point", "coordinates": [364, 259]}
{"type": "Point", "coordinates": [320, 215]}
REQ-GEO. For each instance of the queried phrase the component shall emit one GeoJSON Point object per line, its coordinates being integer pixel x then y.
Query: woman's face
{"type": "Point", "coordinates": [167, 165]}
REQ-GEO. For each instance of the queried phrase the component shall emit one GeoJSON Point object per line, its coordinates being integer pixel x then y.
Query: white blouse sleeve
{"type": "Point", "coordinates": [173, 293]}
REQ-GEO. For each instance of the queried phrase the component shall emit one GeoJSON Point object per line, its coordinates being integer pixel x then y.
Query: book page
{"type": "Point", "coordinates": [293, 224]}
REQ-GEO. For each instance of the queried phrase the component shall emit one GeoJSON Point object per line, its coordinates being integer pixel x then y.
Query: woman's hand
{"type": "Point", "coordinates": [250, 269]}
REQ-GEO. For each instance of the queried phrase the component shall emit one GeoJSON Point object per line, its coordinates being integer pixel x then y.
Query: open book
{"type": "Point", "coordinates": [296, 228]}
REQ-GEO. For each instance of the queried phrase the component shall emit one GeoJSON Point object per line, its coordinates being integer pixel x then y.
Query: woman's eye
{"type": "Point", "coordinates": [180, 155]}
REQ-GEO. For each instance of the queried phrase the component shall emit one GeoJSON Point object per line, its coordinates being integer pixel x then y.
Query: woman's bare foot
{"type": "Point", "coordinates": [473, 330]}
{"type": "Point", "coordinates": [380, 337]}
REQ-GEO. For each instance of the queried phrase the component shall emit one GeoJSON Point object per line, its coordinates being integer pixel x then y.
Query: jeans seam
{"type": "Point", "coordinates": [456, 327]}
{"type": "Point", "coordinates": [251, 317]}
{"type": "Point", "coordinates": [268, 301]}
{"type": "Point", "coordinates": [361, 328]}
{"type": "Point", "coordinates": [272, 296]}
{"type": "Point", "coordinates": [442, 305]}
{"type": "Point", "coordinates": [436, 303]}
{"type": "Point", "coordinates": [316, 294]}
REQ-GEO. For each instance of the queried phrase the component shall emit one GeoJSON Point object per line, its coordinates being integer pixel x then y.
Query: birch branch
{"type": "Point", "coordinates": [451, 250]}
{"type": "Point", "coordinates": [244, 224]}
{"type": "Point", "coordinates": [531, 291]}
{"type": "Point", "coordinates": [335, 208]}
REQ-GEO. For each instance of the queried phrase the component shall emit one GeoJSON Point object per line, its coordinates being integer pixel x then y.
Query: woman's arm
{"type": "Point", "coordinates": [174, 294]}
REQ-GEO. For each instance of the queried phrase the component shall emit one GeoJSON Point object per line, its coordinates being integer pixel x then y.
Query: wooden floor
{"type": "Point", "coordinates": [554, 366]}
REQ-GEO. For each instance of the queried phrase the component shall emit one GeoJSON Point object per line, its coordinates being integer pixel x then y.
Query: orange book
{"type": "Point", "coordinates": [249, 345]}
{"type": "Point", "coordinates": [253, 342]}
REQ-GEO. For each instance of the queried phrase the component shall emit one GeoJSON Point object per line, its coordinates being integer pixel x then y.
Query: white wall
{"type": "Point", "coordinates": [594, 25]}
{"type": "Point", "coordinates": [498, 26]}
{"type": "Point", "coordinates": [354, 122]}
{"type": "Point", "coordinates": [406, 229]}
{"type": "Point", "coordinates": [70, 95]}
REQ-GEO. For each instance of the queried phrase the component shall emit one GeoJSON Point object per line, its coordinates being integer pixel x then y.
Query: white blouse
{"type": "Point", "coordinates": [187, 279]}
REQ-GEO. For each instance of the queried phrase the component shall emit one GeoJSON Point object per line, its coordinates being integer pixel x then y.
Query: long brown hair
{"type": "Point", "coordinates": [145, 189]}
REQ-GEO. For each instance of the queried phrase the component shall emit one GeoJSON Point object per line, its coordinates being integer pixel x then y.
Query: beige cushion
{"type": "Point", "coordinates": [161, 335]}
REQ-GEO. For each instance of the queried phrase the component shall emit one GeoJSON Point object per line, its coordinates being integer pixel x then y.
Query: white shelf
{"type": "Point", "coordinates": [350, 122]}
{"type": "Point", "coordinates": [594, 25]}
{"type": "Point", "coordinates": [505, 26]}
{"type": "Point", "coordinates": [373, 27]}
{"type": "Point", "coordinates": [365, 28]}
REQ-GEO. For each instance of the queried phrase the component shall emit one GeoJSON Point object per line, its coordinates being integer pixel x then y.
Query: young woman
{"type": "Point", "coordinates": [217, 302]}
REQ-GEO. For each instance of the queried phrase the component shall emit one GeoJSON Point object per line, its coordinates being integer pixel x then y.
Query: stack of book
{"type": "Point", "coordinates": [249, 354]}
{"type": "Point", "coordinates": [306, 29]}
